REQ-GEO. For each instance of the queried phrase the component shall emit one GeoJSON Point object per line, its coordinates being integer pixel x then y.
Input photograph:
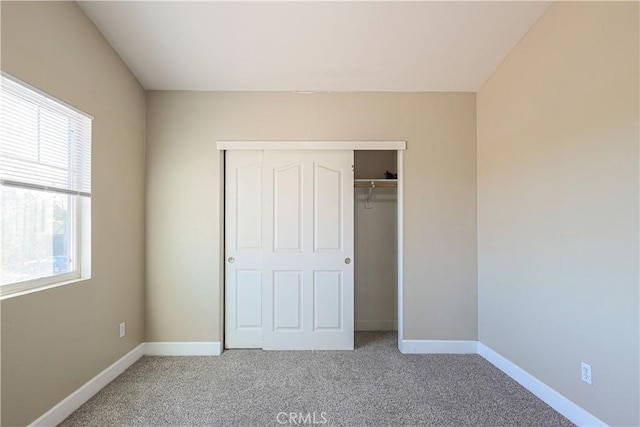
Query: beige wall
{"type": "Point", "coordinates": [183, 298]}
{"type": "Point", "coordinates": [54, 341]}
{"type": "Point", "coordinates": [558, 206]}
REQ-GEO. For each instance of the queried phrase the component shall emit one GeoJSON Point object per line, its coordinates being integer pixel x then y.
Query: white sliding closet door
{"type": "Point", "coordinates": [289, 243]}
{"type": "Point", "coordinates": [243, 249]}
{"type": "Point", "coordinates": [308, 245]}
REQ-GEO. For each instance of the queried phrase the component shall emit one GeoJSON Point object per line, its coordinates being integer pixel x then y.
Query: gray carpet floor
{"type": "Point", "coordinates": [375, 385]}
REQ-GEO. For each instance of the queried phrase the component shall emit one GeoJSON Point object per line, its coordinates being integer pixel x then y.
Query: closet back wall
{"type": "Point", "coordinates": [184, 287]}
{"type": "Point", "coordinates": [375, 245]}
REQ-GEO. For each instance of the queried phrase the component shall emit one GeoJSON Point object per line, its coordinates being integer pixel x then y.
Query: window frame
{"type": "Point", "coordinates": [80, 210]}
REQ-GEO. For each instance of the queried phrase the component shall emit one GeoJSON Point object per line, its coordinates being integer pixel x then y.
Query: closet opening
{"type": "Point", "coordinates": [376, 240]}
{"type": "Point", "coordinates": [257, 302]}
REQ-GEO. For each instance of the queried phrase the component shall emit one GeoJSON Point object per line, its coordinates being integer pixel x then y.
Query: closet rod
{"type": "Point", "coordinates": [375, 185]}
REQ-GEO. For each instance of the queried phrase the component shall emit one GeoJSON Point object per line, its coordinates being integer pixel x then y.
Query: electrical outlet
{"type": "Point", "coordinates": [586, 373]}
{"type": "Point", "coordinates": [122, 329]}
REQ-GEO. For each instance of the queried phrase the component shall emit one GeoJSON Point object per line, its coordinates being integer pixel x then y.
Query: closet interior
{"type": "Point", "coordinates": [375, 240]}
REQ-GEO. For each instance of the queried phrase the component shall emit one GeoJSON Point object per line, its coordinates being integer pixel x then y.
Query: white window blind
{"type": "Point", "coordinates": [44, 144]}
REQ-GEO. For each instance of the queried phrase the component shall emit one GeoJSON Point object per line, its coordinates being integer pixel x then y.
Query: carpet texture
{"type": "Point", "coordinates": [375, 385]}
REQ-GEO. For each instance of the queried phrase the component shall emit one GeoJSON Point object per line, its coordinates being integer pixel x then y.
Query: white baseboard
{"type": "Point", "coordinates": [62, 410]}
{"type": "Point", "coordinates": [551, 397]}
{"type": "Point", "coordinates": [376, 325]}
{"type": "Point", "coordinates": [438, 346]}
{"type": "Point", "coordinates": [570, 410]}
{"type": "Point", "coordinates": [213, 348]}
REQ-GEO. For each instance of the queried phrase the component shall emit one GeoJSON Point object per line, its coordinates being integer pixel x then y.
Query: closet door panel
{"type": "Point", "coordinates": [248, 299]}
{"type": "Point", "coordinates": [328, 204]}
{"type": "Point", "coordinates": [327, 288]}
{"type": "Point", "coordinates": [287, 204]}
{"type": "Point", "coordinates": [248, 225]}
{"type": "Point", "coordinates": [287, 300]}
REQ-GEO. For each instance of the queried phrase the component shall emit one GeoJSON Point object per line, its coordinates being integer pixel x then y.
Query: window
{"type": "Point", "coordinates": [45, 189]}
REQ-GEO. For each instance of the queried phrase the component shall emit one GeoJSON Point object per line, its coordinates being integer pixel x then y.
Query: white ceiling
{"type": "Point", "coordinates": [313, 46]}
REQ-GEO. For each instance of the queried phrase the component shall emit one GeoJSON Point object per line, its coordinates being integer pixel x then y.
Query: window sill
{"type": "Point", "coordinates": [23, 292]}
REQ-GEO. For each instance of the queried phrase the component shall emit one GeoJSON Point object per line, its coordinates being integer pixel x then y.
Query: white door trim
{"type": "Point", "coordinates": [398, 146]}
{"type": "Point", "coordinates": [400, 240]}
{"type": "Point", "coordinates": [311, 145]}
